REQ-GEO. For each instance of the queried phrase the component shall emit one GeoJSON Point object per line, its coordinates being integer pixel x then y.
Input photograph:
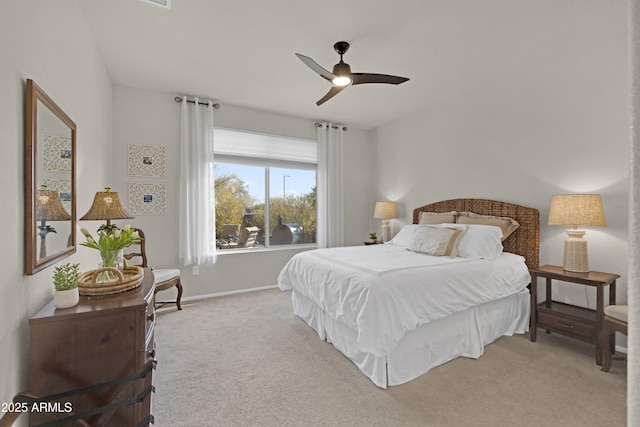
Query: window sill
{"type": "Point", "coordinates": [306, 246]}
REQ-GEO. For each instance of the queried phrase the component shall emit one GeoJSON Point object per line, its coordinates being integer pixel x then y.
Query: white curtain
{"type": "Point", "coordinates": [197, 206]}
{"type": "Point", "coordinates": [330, 220]}
{"type": "Point", "coordinates": [633, 287]}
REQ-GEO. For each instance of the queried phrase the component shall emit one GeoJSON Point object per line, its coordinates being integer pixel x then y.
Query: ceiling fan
{"type": "Point", "coordinates": [341, 77]}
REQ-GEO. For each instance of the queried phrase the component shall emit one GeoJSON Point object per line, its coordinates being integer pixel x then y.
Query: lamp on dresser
{"type": "Point", "coordinates": [106, 206]}
{"type": "Point", "coordinates": [576, 210]}
{"type": "Point", "coordinates": [48, 208]}
{"type": "Point", "coordinates": [385, 211]}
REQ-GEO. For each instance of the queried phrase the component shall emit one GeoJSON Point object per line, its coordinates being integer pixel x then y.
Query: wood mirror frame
{"type": "Point", "coordinates": [50, 181]}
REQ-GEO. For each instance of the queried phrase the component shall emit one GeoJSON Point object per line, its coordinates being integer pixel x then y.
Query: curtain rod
{"type": "Point", "coordinates": [344, 128]}
{"type": "Point", "coordinates": [178, 99]}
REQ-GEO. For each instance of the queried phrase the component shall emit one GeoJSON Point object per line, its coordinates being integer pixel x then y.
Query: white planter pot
{"type": "Point", "coordinates": [66, 299]}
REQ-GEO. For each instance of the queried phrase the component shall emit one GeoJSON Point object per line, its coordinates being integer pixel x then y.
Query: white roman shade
{"type": "Point", "coordinates": [258, 149]}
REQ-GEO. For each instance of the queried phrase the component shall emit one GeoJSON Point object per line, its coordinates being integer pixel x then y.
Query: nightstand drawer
{"type": "Point", "coordinates": [567, 325]}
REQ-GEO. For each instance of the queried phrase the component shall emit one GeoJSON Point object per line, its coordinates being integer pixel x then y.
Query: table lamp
{"type": "Point", "coordinates": [106, 206]}
{"type": "Point", "coordinates": [386, 211]}
{"type": "Point", "coordinates": [48, 208]}
{"type": "Point", "coordinates": [576, 210]}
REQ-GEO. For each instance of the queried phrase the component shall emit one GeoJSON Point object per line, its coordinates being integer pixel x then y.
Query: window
{"type": "Point", "coordinates": [265, 188]}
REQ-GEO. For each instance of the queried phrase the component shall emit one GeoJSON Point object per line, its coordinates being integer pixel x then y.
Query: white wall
{"type": "Point", "coordinates": [151, 118]}
{"type": "Point", "coordinates": [557, 122]}
{"type": "Point", "coordinates": [50, 43]}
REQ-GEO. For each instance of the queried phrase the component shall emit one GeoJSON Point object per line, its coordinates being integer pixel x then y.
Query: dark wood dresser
{"type": "Point", "coordinates": [97, 341]}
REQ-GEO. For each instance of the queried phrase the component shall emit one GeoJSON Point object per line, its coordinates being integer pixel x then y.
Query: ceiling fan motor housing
{"type": "Point", "coordinates": [341, 69]}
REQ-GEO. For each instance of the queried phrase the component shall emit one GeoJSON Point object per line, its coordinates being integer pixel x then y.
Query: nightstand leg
{"type": "Point", "coordinates": [599, 320]}
{"type": "Point", "coordinates": [612, 301]}
{"type": "Point", "coordinates": [548, 297]}
{"type": "Point", "coordinates": [533, 289]}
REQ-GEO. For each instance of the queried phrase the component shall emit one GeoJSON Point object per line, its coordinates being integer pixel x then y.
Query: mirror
{"type": "Point", "coordinates": [50, 211]}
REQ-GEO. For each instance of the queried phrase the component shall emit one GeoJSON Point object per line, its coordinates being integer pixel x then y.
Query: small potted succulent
{"type": "Point", "coordinates": [65, 281]}
{"type": "Point", "coordinates": [373, 237]}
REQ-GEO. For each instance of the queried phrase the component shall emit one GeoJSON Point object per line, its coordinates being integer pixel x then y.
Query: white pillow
{"type": "Point", "coordinates": [402, 238]}
{"type": "Point", "coordinates": [437, 241]}
{"type": "Point", "coordinates": [481, 241]}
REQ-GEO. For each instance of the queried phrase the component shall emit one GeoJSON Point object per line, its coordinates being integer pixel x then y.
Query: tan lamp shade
{"type": "Point", "coordinates": [386, 211]}
{"type": "Point", "coordinates": [49, 207]}
{"type": "Point", "coordinates": [106, 206]}
{"type": "Point", "coordinates": [576, 210]}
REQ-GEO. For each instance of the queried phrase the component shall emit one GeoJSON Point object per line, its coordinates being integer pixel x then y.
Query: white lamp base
{"type": "Point", "coordinates": [576, 257]}
{"type": "Point", "coordinates": [386, 230]}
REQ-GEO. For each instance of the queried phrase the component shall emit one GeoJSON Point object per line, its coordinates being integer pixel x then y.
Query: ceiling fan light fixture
{"type": "Point", "coordinates": [342, 72]}
{"type": "Point", "coordinates": [341, 81]}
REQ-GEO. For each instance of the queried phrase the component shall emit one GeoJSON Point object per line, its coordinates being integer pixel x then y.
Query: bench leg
{"type": "Point", "coordinates": [179, 286]}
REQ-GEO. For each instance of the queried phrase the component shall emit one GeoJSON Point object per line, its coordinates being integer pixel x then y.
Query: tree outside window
{"type": "Point", "coordinates": [242, 198]}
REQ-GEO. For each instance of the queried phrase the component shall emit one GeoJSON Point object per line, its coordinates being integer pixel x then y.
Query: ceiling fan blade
{"type": "Point", "coordinates": [361, 78]}
{"type": "Point", "coordinates": [325, 74]}
{"type": "Point", "coordinates": [332, 92]}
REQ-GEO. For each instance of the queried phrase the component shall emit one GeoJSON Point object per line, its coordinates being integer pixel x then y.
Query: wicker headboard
{"type": "Point", "coordinates": [524, 241]}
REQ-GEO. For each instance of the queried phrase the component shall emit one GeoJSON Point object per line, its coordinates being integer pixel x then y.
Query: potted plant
{"type": "Point", "coordinates": [65, 281]}
{"type": "Point", "coordinates": [110, 243]}
{"type": "Point", "coordinates": [373, 237]}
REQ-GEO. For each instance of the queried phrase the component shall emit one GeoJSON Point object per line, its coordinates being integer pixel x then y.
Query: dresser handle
{"type": "Point", "coordinates": [564, 325]}
{"type": "Point", "coordinates": [151, 316]}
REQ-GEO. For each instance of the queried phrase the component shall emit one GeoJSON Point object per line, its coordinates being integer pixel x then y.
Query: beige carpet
{"type": "Point", "coordinates": [246, 360]}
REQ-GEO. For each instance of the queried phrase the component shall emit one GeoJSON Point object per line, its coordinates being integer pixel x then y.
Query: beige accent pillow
{"type": "Point", "coordinates": [437, 241]}
{"type": "Point", "coordinates": [507, 225]}
{"type": "Point", "coordinates": [437, 218]}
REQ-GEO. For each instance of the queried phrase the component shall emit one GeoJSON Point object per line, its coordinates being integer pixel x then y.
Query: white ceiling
{"type": "Point", "coordinates": [241, 52]}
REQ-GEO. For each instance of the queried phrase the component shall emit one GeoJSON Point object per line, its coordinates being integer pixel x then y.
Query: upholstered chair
{"type": "Point", "coordinates": [616, 319]}
{"type": "Point", "coordinates": [164, 278]}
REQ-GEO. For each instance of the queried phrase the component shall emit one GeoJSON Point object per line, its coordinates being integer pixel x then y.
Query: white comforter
{"type": "Point", "coordinates": [384, 291]}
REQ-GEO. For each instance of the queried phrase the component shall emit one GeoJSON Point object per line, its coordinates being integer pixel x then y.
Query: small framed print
{"type": "Point", "coordinates": [57, 153]}
{"type": "Point", "coordinates": [147, 160]}
{"type": "Point", "coordinates": [147, 199]}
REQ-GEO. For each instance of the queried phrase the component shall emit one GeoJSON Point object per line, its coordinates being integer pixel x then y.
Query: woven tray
{"type": "Point", "coordinates": [128, 279]}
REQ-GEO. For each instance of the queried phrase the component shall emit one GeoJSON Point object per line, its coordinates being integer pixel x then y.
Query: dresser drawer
{"type": "Point", "coordinates": [567, 325]}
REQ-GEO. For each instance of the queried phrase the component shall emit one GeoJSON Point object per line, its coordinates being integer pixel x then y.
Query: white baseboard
{"type": "Point", "coordinates": [222, 294]}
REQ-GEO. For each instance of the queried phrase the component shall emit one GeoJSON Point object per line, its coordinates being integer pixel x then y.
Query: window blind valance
{"type": "Point", "coordinates": [252, 145]}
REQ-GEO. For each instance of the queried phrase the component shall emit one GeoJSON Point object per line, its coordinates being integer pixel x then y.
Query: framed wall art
{"type": "Point", "coordinates": [147, 160]}
{"type": "Point", "coordinates": [147, 199]}
{"type": "Point", "coordinates": [57, 153]}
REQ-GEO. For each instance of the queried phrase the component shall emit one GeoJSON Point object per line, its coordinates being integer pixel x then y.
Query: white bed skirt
{"type": "Point", "coordinates": [462, 334]}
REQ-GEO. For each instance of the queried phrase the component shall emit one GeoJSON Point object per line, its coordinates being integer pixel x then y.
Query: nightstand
{"type": "Point", "coordinates": [571, 320]}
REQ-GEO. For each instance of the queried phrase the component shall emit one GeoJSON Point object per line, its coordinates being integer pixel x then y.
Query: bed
{"type": "Point", "coordinates": [396, 312]}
